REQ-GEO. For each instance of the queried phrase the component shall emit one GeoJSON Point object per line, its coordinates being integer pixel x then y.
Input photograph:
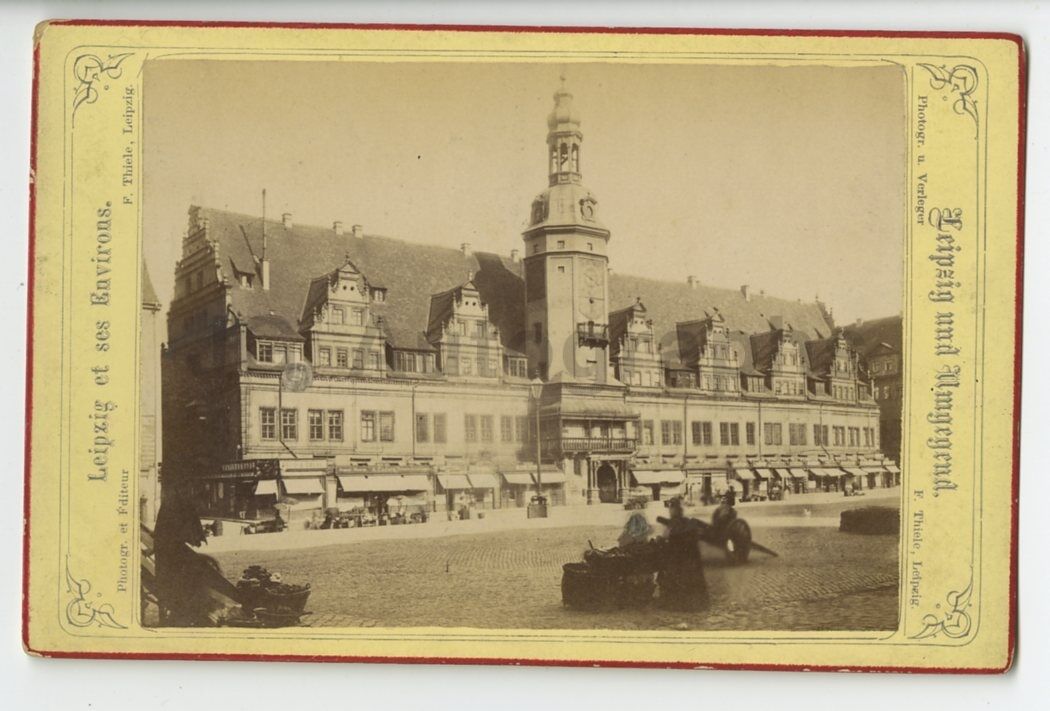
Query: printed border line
{"type": "Point", "coordinates": [1022, 76]}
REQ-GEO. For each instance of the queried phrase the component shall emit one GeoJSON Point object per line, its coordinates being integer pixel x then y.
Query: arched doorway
{"type": "Point", "coordinates": [605, 478]}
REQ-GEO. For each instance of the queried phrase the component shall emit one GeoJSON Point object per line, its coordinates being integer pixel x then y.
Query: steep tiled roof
{"type": "Point", "coordinates": [878, 334]}
{"type": "Point", "coordinates": [413, 272]}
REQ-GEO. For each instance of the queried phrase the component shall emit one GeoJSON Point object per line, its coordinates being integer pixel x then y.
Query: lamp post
{"type": "Point", "coordinates": [537, 509]}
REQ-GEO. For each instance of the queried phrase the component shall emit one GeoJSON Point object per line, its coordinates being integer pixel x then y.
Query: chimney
{"type": "Point", "coordinates": [776, 322]}
{"type": "Point", "coordinates": [286, 220]}
{"type": "Point", "coordinates": [337, 227]}
{"type": "Point", "coordinates": [465, 249]}
{"type": "Point", "coordinates": [745, 290]}
{"type": "Point", "coordinates": [265, 266]}
{"type": "Point", "coordinates": [691, 281]}
{"type": "Point", "coordinates": [357, 231]}
{"type": "Point", "coordinates": [515, 256]}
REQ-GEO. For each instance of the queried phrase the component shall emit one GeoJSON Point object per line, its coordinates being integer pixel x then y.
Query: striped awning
{"type": "Point", "coordinates": [519, 478]}
{"type": "Point", "coordinates": [354, 483]}
{"type": "Point", "coordinates": [761, 473]}
{"type": "Point", "coordinates": [483, 480]}
{"type": "Point", "coordinates": [454, 481]}
{"type": "Point", "coordinates": [266, 487]}
{"type": "Point", "coordinates": [658, 476]}
{"type": "Point", "coordinates": [893, 469]}
{"type": "Point", "coordinates": [854, 471]}
{"type": "Point", "coordinates": [795, 473]}
{"type": "Point", "coordinates": [552, 476]}
{"type": "Point", "coordinates": [303, 486]}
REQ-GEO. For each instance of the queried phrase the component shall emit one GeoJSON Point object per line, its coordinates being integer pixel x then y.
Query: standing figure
{"type": "Point", "coordinates": [191, 590]}
{"type": "Point", "coordinates": [681, 578]}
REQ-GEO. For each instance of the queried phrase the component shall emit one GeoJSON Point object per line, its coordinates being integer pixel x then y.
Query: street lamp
{"type": "Point", "coordinates": [538, 509]}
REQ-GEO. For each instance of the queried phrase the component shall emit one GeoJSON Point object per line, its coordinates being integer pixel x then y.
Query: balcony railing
{"type": "Point", "coordinates": [592, 334]}
{"type": "Point", "coordinates": [590, 444]}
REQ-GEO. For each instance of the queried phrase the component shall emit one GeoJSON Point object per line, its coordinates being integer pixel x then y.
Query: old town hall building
{"type": "Point", "coordinates": [329, 368]}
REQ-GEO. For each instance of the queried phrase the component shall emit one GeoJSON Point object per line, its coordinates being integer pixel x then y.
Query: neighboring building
{"type": "Point", "coordinates": [423, 359]}
{"type": "Point", "coordinates": [149, 403]}
{"type": "Point", "coordinates": [879, 343]}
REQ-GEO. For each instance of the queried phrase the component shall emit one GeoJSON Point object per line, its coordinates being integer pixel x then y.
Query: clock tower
{"type": "Point", "coordinates": [566, 264]}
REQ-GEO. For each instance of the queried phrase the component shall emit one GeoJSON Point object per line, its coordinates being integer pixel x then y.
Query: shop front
{"type": "Point", "coordinates": [519, 485]}
{"type": "Point", "coordinates": [704, 486]}
{"type": "Point", "coordinates": [793, 479]}
{"type": "Point", "coordinates": [855, 479]}
{"type": "Point", "coordinates": [456, 494]}
{"type": "Point", "coordinates": [662, 483]}
{"type": "Point", "coordinates": [369, 497]}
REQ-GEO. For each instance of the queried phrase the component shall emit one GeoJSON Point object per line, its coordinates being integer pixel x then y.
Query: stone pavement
{"type": "Point", "coordinates": [818, 509]}
{"type": "Point", "coordinates": [822, 579]}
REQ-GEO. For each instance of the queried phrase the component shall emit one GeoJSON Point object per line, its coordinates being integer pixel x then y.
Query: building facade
{"type": "Point", "coordinates": [320, 368]}
{"type": "Point", "coordinates": [150, 339]}
{"type": "Point", "coordinates": [879, 343]}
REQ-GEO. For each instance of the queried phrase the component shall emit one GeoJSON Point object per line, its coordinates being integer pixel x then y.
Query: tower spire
{"type": "Point", "coordinates": [564, 138]}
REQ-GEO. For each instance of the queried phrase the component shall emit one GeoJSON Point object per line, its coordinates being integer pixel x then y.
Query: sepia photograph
{"type": "Point", "coordinates": [416, 354]}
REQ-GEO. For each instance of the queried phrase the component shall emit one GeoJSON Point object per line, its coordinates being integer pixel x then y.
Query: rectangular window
{"type": "Point", "coordinates": [268, 422]}
{"type": "Point", "coordinates": [264, 352]}
{"type": "Point", "coordinates": [422, 427]}
{"type": "Point", "coordinates": [723, 433]}
{"type": "Point", "coordinates": [676, 431]}
{"type": "Point", "coordinates": [774, 433]}
{"type": "Point", "coordinates": [440, 429]}
{"type": "Point", "coordinates": [470, 428]}
{"type": "Point", "coordinates": [734, 433]}
{"type": "Point", "coordinates": [521, 428]}
{"type": "Point", "coordinates": [749, 431]}
{"type": "Point", "coordinates": [816, 436]}
{"type": "Point", "coordinates": [373, 360]}
{"type": "Point", "coordinates": [665, 431]}
{"type": "Point", "coordinates": [386, 427]}
{"type": "Point", "coordinates": [324, 356]}
{"type": "Point", "coordinates": [338, 315]}
{"type": "Point", "coordinates": [335, 425]}
{"type": "Point", "coordinates": [824, 435]}
{"type": "Point", "coordinates": [703, 433]}
{"type": "Point", "coordinates": [341, 358]}
{"type": "Point", "coordinates": [506, 428]}
{"type": "Point", "coordinates": [357, 317]}
{"type": "Point", "coordinates": [486, 428]}
{"type": "Point", "coordinates": [289, 424]}
{"type": "Point", "coordinates": [368, 426]}
{"type": "Point", "coordinates": [315, 419]}
{"type": "Point", "coordinates": [359, 358]}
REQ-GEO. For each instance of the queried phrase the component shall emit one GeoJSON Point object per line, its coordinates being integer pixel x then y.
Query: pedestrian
{"type": "Point", "coordinates": [681, 577]}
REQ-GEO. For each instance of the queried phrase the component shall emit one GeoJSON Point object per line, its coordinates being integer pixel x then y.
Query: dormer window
{"type": "Point", "coordinates": [264, 352]}
{"type": "Point", "coordinates": [338, 315]}
{"type": "Point", "coordinates": [379, 295]}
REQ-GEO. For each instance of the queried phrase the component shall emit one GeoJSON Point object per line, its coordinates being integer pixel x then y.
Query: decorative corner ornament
{"type": "Point", "coordinates": [81, 611]}
{"type": "Point", "coordinates": [962, 80]}
{"type": "Point", "coordinates": [955, 622]}
{"type": "Point", "coordinates": [88, 70]}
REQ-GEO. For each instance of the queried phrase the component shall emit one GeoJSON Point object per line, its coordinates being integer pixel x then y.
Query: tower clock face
{"type": "Point", "coordinates": [591, 302]}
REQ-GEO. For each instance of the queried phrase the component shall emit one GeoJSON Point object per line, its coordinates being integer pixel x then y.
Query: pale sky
{"type": "Point", "coordinates": [790, 179]}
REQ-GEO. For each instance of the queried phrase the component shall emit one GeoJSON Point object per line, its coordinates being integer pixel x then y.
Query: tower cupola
{"type": "Point", "coordinates": [564, 138]}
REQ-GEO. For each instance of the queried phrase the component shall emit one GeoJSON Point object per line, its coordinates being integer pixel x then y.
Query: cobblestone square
{"type": "Point", "coordinates": [822, 580]}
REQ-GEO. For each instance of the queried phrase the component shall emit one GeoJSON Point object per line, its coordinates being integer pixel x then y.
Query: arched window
{"type": "Point", "coordinates": [575, 158]}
